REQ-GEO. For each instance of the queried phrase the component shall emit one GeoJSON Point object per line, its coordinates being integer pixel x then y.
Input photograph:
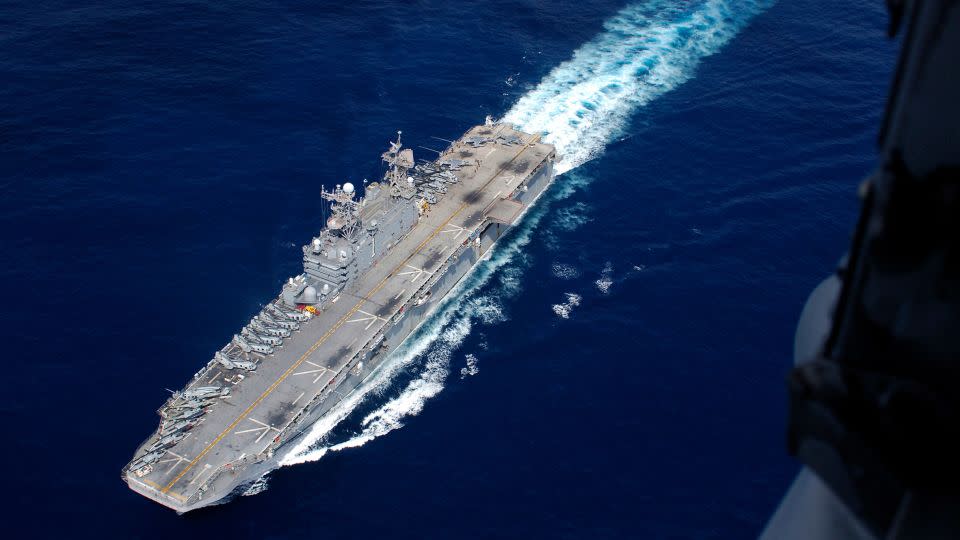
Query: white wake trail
{"type": "Point", "coordinates": [583, 104]}
{"type": "Point", "coordinates": [644, 51]}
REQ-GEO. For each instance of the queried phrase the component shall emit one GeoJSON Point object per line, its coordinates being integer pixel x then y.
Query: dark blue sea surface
{"type": "Point", "coordinates": [615, 371]}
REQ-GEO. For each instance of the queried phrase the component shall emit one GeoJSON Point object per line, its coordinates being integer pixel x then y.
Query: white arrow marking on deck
{"type": "Point", "coordinates": [175, 460]}
{"type": "Point", "coordinates": [320, 369]}
{"type": "Point", "coordinates": [454, 229]}
{"type": "Point", "coordinates": [261, 430]}
{"type": "Point", "coordinates": [415, 272]}
{"type": "Point", "coordinates": [369, 317]}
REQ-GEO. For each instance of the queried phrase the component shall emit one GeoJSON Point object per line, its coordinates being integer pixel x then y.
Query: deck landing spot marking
{"type": "Point", "coordinates": [369, 318]}
{"type": "Point", "coordinates": [262, 430]}
{"type": "Point", "coordinates": [454, 229]}
{"type": "Point", "coordinates": [415, 272]}
{"type": "Point", "coordinates": [176, 460]}
{"type": "Point", "coordinates": [320, 370]}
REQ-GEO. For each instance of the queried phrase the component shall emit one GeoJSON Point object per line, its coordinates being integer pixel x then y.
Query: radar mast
{"type": "Point", "coordinates": [399, 161]}
{"type": "Point", "coordinates": [344, 210]}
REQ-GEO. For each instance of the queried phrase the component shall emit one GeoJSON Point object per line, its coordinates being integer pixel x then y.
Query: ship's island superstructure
{"type": "Point", "coordinates": [377, 270]}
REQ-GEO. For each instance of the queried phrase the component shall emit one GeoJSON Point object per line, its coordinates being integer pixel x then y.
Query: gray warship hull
{"type": "Point", "coordinates": [363, 302]}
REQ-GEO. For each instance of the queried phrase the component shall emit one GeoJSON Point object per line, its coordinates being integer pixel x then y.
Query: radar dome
{"type": "Point", "coordinates": [348, 188]}
{"type": "Point", "coordinates": [309, 295]}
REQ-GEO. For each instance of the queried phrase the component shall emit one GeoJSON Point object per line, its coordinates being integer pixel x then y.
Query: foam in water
{"type": "Point", "coordinates": [571, 218]}
{"type": "Point", "coordinates": [565, 271]}
{"type": "Point", "coordinates": [563, 310]}
{"type": "Point", "coordinates": [471, 368]}
{"type": "Point", "coordinates": [606, 278]}
{"type": "Point", "coordinates": [646, 50]}
{"type": "Point", "coordinates": [584, 103]}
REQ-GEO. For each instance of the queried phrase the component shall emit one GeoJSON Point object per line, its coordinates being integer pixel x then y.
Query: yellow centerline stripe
{"type": "Point", "coordinates": [329, 332]}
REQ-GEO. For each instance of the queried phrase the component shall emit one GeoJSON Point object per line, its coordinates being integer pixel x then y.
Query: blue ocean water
{"type": "Point", "coordinates": [615, 371]}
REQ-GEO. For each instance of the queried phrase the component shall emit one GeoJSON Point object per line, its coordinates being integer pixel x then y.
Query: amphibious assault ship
{"type": "Point", "coordinates": [377, 271]}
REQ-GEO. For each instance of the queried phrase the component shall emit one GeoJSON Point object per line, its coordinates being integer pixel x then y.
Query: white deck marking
{"type": "Point", "coordinates": [451, 228]}
{"type": "Point", "coordinates": [262, 430]}
{"type": "Point", "coordinates": [415, 272]}
{"type": "Point", "coordinates": [269, 442]}
{"type": "Point", "coordinates": [215, 377]}
{"type": "Point", "coordinates": [311, 371]}
{"type": "Point", "coordinates": [298, 398]}
{"type": "Point", "coordinates": [320, 369]}
{"type": "Point", "coordinates": [399, 294]}
{"type": "Point", "coordinates": [177, 459]}
{"type": "Point", "coordinates": [369, 318]}
{"type": "Point", "coordinates": [206, 468]}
